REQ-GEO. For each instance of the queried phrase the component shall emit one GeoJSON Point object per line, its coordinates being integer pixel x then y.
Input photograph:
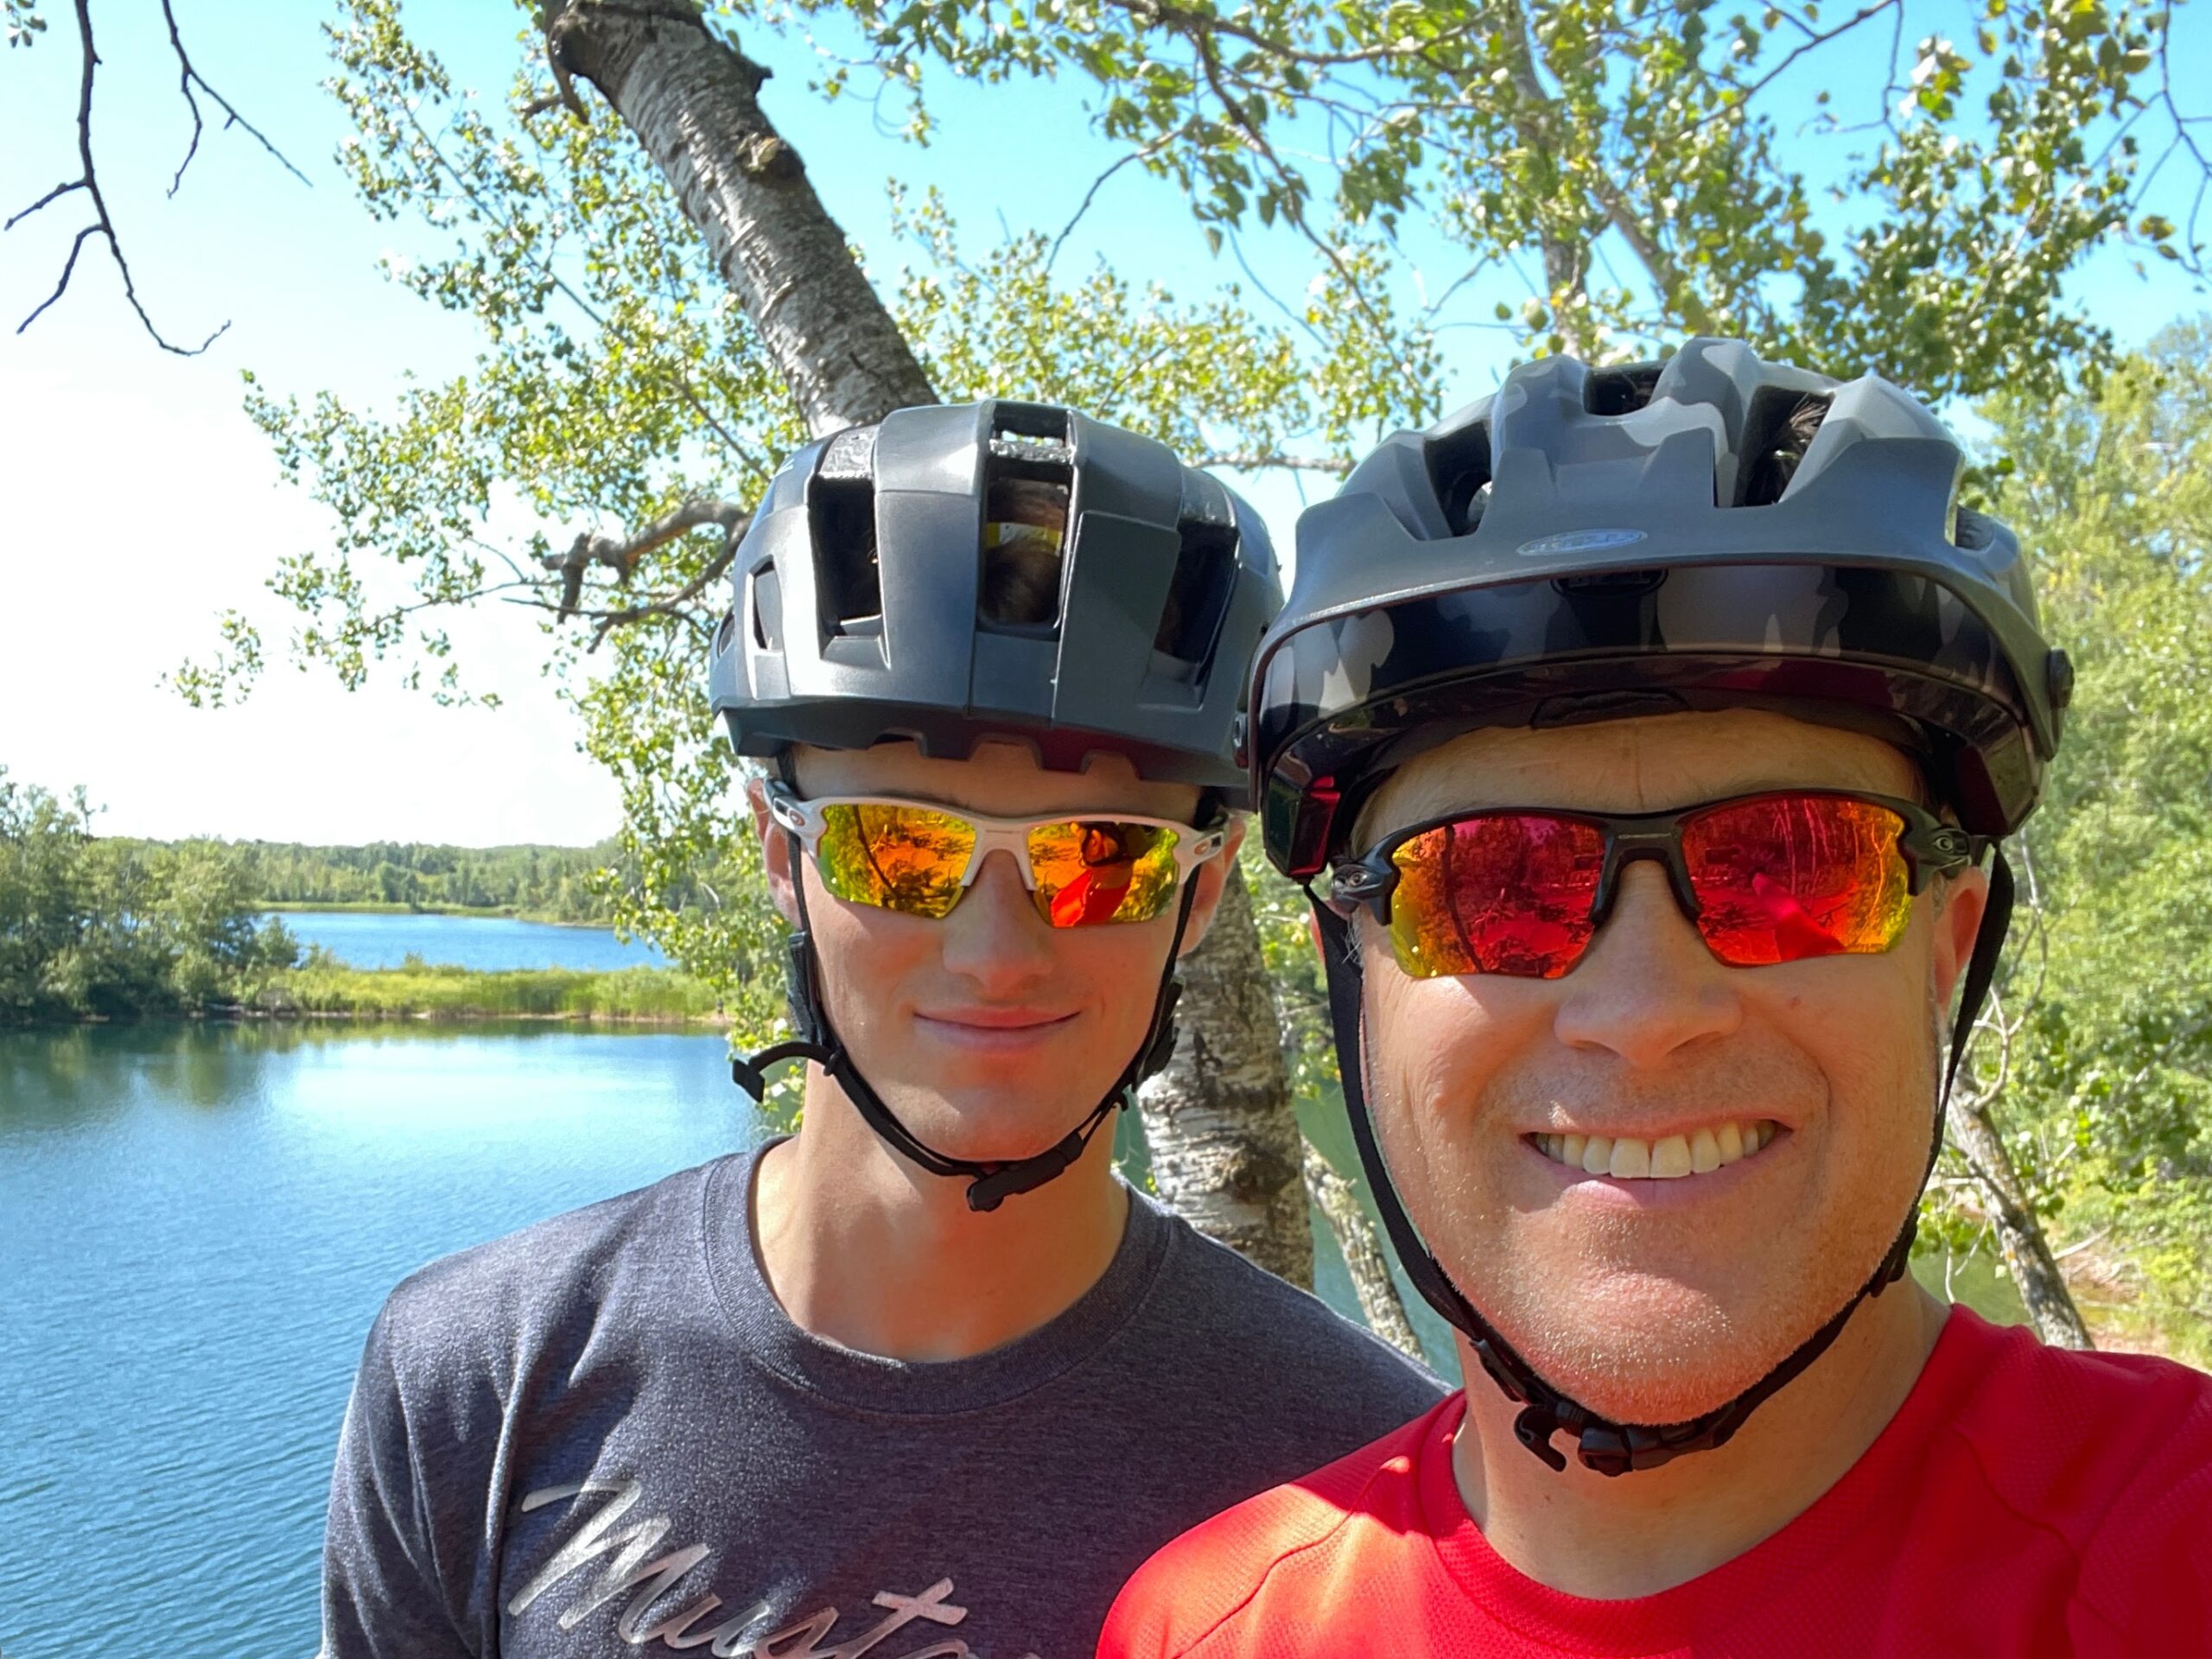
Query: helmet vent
{"type": "Point", "coordinates": [848, 586]}
{"type": "Point", "coordinates": [1620, 392]}
{"type": "Point", "coordinates": [1025, 544]}
{"type": "Point", "coordinates": [1458, 469]}
{"type": "Point", "coordinates": [1028, 488]}
{"type": "Point", "coordinates": [1776, 433]}
{"type": "Point", "coordinates": [767, 612]}
{"type": "Point", "coordinates": [1611, 584]}
{"type": "Point", "coordinates": [1031, 432]}
{"type": "Point", "coordinates": [1198, 597]}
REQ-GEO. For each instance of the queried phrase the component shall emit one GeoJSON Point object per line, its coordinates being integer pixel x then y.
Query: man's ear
{"type": "Point", "coordinates": [1211, 879]}
{"type": "Point", "coordinates": [1960, 902]}
{"type": "Point", "coordinates": [775, 852]}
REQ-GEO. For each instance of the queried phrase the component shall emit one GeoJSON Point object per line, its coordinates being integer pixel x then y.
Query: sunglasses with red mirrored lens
{"type": "Point", "coordinates": [1768, 877]}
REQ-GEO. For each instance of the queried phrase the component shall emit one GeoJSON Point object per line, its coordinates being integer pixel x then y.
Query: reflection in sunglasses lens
{"type": "Point", "coordinates": [902, 858]}
{"type": "Point", "coordinates": [1791, 877]}
{"type": "Point", "coordinates": [1499, 894]}
{"type": "Point", "coordinates": [911, 859]}
{"type": "Point", "coordinates": [1091, 870]}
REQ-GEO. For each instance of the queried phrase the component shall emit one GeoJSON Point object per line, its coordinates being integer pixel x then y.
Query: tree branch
{"type": "Point", "coordinates": [1293, 206]}
{"type": "Point", "coordinates": [1191, 24]}
{"type": "Point", "coordinates": [622, 557]}
{"type": "Point", "coordinates": [1570, 262]}
{"type": "Point", "coordinates": [1142, 152]}
{"type": "Point", "coordinates": [186, 76]}
{"type": "Point", "coordinates": [103, 224]}
{"type": "Point", "coordinates": [1812, 43]}
{"type": "Point", "coordinates": [693, 100]}
{"type": "Point", "coordinates": [1363, 1252]}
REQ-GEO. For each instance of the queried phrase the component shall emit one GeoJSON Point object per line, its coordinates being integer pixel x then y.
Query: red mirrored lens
{"type": "Point", "coordinates": [1790, 876]}
{"type": "Point", "coordinates": [1507, 892]}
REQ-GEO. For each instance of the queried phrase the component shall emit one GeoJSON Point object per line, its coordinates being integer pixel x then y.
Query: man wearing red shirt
{"type": "Point", "coordinates": [1645, 735]}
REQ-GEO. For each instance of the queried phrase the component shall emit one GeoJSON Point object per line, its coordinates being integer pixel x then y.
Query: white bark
{"type": "Point", "coordinates": [1226, 1152]}
{"type": "Point", "coordinates": [693, 101]}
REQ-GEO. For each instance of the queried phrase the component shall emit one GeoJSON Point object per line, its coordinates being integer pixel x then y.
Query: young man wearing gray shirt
{"type": "Point", "coordinates": [902, 1384]}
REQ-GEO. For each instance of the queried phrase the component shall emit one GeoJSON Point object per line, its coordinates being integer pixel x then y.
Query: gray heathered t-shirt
{"type": "Point", "coordinates": [604, 1433]}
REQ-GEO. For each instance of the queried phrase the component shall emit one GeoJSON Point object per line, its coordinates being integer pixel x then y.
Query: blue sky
{"type": "Point", "coordinates": [139, 502]}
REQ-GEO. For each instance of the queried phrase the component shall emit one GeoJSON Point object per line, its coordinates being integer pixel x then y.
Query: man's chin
{"type": "Point", "coordinates": [991, 1126]}
{"type": "Point", "coordinates": [1660, 1367]}
{"type": "Point", "coordinates": [1649, 1394]}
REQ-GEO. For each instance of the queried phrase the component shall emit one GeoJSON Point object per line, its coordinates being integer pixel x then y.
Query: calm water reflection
{"type": "Point", "coordinates": [196, 1226]}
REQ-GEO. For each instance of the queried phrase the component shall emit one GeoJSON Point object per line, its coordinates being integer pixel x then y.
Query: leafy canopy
{"type": "Point", "coordinates": [2105, 1050]}
{"type": "Point", "coordinates": [1794, 177]}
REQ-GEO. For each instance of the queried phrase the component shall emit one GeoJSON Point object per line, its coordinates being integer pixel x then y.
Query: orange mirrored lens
{"type": "Point", "coordinates": [1794, 876]}
{"type": "Point", "coordinates": [903, 858]}
{"type": "Point", "coordinates": [1090, 870]}
{"type": "Point", "coordinates": [1507, 892]}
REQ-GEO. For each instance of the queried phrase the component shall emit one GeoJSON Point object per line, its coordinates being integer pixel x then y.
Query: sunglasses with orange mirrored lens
{"type": "Point", "coordinates": [917, 858]}
{"type": "Point", "coordinates": [1767, 878]}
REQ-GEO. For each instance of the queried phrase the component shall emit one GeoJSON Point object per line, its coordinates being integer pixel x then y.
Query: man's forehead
{"type": "Point", "coordinates": [1647, 764]}
{"type": "Point", "coordinates": [1000, 776]}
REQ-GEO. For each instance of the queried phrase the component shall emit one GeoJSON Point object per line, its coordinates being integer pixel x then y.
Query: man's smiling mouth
{"type": "Point", "coordinates": [1628, 1158]}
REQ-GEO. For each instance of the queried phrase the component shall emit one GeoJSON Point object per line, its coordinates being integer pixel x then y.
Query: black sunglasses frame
{"type": "Point", "coordinates": [1929, 846]}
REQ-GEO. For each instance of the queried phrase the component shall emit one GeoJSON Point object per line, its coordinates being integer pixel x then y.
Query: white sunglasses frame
{"type": "Point", "coordinates": [804, 818]}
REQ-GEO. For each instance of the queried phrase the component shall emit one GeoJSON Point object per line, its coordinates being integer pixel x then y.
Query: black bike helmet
{"type": "Point", "coordinates": [982, 571]}
{"type": "Point", "coordinates": [1593, 543]}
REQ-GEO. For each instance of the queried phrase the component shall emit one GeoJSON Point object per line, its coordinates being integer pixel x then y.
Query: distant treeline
{"type": "Point", "coordinates": [551, 883]}
{"type": "Point", "coordinates": [95, 927]}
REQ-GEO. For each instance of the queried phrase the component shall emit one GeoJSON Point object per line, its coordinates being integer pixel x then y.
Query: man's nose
{"type": "Point", "coordinates": [994, 939]}
{"type": "Point", "coordinates": [1648, 985]}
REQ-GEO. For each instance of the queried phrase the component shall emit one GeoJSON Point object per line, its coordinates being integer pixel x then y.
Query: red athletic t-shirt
{"type": "Point", "coordinates": [2024, 1501]}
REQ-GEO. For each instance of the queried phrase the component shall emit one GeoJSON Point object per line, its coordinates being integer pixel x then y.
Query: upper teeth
{"type": "Point", "coordinates": [1625, 1158]}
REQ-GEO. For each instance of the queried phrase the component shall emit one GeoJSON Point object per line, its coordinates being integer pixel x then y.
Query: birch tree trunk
{"type": "Point", "coordinates": [693, 101]}
{"type": "Point", "coordinates": [1226, 1150]}
{"type": "Point", "coordinates": [1224, 1143]}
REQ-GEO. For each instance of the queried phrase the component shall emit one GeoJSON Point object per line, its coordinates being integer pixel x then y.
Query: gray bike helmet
{"type": "Point", "coordinates": [1710, 532]}
{"type": "Point", "coordinates": [1593, 543]}
{"type": "Point", "coordinates": [862, 612]}
{"type": "Point", "coordinates": [993, 570]}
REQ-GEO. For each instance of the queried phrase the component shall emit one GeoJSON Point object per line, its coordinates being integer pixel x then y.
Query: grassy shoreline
{"type": "Point", "coordinates": [630, 996]}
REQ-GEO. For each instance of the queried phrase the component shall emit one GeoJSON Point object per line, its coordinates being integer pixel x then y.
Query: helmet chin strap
{"type": "Point", "coordinates": [1609, 1447]}
{"type": "Point", "coordinates": [989, 1183]}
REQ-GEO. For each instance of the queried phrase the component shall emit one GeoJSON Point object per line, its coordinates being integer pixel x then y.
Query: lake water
{"type": "Point", "coordinates": [197, 1224]}
{"type": "Point", "coordinates": [369, 939]}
